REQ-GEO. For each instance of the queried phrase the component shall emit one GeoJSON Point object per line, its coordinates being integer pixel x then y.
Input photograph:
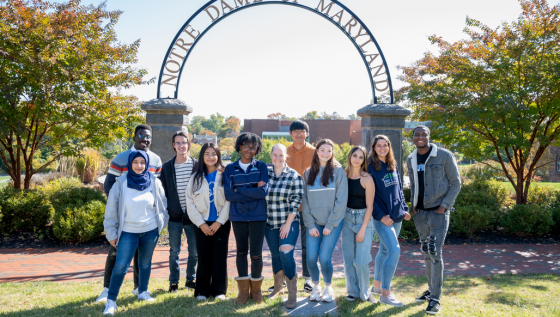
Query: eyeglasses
{"type": "Point", "coordinates": [297, 132]}
{"type": "Point", "coordinates": [144, 137]}
{"type": "Point", "coordinates": [249, 148]}
{"type": "Point", "coordinates": [181, 143]}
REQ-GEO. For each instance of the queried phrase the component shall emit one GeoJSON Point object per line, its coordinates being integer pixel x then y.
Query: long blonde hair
{"type": "Point", "coordinates": [363, 166]}
{"type": "Point", "coordinates": [390, 158]}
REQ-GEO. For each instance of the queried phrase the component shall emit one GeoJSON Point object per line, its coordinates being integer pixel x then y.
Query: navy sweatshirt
{"type": "Point", "coordinates": [389, 197]}
{"type": "Point", "coordinates": [249, 202]}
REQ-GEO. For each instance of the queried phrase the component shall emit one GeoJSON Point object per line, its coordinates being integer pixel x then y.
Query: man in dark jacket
{"type": "Point", "coordinates": [435, 183]}
{"type": "Point", "coordinates": [175, 176]}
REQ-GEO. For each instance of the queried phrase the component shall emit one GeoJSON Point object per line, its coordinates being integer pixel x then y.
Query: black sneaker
{"type": "Point", "coordinates": [350, 298]}
{"type": "Point", "coordinates": [433, 307]}
{"type": "Point", "coordinates": [308, 286]}
{"type": "Point", "coordinates": [173, 288]}
{"type": "Point", "coordinates": [190, 284]}
{"type": "Point", "coordinates": [424, 298]}
{"type": "Point", "coordinates": [271, 289]}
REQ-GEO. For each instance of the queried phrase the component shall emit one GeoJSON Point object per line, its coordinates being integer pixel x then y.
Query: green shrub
{"type": "Point", "coordinates": [527, 220]}
{"type": "Point", "coordinates": [79, 214]}
{"type": "Point", "coordinates": [23, 210]}
{"type": "Point", "coordinates": [554, 208]}
{"type": "Point", "coordinates": [542, 195]}
{"type": "Point", "coordinates": [59, 185]}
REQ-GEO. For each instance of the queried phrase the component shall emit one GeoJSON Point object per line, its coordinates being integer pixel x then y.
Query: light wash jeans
{"type": "Point", "coordinates": [389, 252]}
{"type": "Point", "coordinates": [283, 260]}
{"type": "Point", "coordinates": [357, 255]}
{"type": "Point", "coordinates": [321, 248]}
{"type": "Point", "coordinates": [175, 231]}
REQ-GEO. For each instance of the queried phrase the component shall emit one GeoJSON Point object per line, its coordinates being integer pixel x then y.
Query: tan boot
{"type": "Point", "coordinates": [278, 284]}
{"type": "Point", "coordinates": [243, 285]}
{"type": "Point", "coordinates": [256, 294]}
{"type": "Point", "coordinates": [292, 292]}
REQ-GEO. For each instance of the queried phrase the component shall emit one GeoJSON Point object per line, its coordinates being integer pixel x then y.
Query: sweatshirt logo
{"type": "Point", "coordinates": [391, 179]}
{"type": "Point", "coordinates": [318, 185]}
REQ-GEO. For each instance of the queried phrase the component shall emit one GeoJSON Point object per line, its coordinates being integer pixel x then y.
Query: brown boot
{"type": "Point", "coordinates": [292, 292]}
{"type": "Point", "coordinates": [278, 284]}
{"type": "Point", "coordinates": [243, 285]}
{"type": "Point", "coordinates": [256, 294]}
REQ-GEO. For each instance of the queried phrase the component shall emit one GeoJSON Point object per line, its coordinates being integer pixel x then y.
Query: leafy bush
{"type": "Point", "coordinates": [59, 185]}
{"type": "Point", "coordinates": [527, 220]}
{"type": "Point", "coordinates": [79, 214]}
{"type": "Point", "coordinates": [23, 210]}
{"type": "Point", "coordinates": [484, 172]}
{"type": "Point", "coordinates": [89, 165]}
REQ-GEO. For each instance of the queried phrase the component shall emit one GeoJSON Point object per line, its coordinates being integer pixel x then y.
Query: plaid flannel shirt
{"type": "Point", "coordinates": [284, 196]}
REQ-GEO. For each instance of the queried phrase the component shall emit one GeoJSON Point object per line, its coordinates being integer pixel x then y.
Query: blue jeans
{"type": "Point", "coordinates": [175, 231]}
{"type": "Point", "coordinates": [357, 255]}
{"type": "Point", "coordinates": [282, 260]}
{"type": "Point", "coordinates": [389, 252]}
{"type": "Point", "coordinates": [128, 242]}
{"type": "Point", "coordinates": [321, 248]}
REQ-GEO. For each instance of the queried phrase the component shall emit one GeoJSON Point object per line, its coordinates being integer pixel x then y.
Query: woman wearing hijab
{"type": "Point", "coordinates": [136, 213]}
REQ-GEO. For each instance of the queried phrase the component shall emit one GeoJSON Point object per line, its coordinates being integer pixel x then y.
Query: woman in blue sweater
{"type": "Point", "coordinates": [246, 187]}
{"type": "Point", "coordinates": [389, 209]}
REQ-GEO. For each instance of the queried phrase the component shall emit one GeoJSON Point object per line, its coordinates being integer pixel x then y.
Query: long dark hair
{"type": "Point", "coordinates": [328, 172]}
{"type": "Point", "coordinates": [390, 158]}
{"type": "Point", "coordinates": [201, 170]}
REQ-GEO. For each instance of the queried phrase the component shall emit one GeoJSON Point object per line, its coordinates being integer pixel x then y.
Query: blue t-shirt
{"type": "Point", "coordinates": [211, 178]}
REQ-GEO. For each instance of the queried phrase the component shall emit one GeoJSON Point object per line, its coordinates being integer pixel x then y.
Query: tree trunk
{"type": "Point", "coordinates": [520, 198]}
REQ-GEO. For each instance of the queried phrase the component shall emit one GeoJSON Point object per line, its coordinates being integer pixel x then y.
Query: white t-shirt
{"type": "Point", "coordinates": [183, 173]}
{"type": "Point", "coordinates": [244, 166]}
{"type": "Point", "coordinates": [140, 211]}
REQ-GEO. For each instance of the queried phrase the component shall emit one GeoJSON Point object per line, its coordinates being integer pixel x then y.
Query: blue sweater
{"type": "Point", "coordinates": [389, 197]}
{"type": "Point", "coordinates": [248, 203]}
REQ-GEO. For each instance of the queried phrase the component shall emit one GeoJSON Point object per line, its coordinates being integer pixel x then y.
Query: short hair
{"type": "Point", "coordinates": [299, 125]}
{"type": "Point", "coordinates": [142, 127]}
{"type": "Point", "coordinates": [183, 134]}
{"type": "Point", "coordinates": [421, 127]}
{"type": "Point", "coordinates": [251, 138]}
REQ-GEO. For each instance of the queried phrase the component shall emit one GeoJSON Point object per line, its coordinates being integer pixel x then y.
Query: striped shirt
{"type": "Point", "coordinates": [183, 173]}
{"type": "Point", "coordinates": [284, 196]}
{"type": "Point", "coordinates": [119, 164]}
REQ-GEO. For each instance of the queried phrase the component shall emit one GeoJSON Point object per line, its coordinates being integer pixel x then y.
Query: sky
{"type": "Point", "coordinates": [277, 58]}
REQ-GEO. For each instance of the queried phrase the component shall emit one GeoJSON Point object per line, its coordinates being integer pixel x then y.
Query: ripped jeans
{"type": "Point", "coordinates": [432, 228]}
{"type": "Point", "coordinates": [283, 259]}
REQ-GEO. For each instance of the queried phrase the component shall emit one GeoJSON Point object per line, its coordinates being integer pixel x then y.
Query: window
{"type": "Point", "coordinates": [558, 162]}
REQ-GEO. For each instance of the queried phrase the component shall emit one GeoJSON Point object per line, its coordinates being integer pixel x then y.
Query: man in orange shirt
{"type": "Point", "coordinates": [300, 155]}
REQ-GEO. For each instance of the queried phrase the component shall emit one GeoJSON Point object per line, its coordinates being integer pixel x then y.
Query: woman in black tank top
{"type": "Point", "coordinates": [357, 231]}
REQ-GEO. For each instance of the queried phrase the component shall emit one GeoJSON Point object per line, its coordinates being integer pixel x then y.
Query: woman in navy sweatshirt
{"type": "Point", "coordinates": [246, 187]}
{"type": "Point", "coordinates": [389, 209]}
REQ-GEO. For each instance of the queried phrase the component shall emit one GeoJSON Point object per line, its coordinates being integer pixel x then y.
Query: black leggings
{"type": "Point", "coordinates": [211, 274]}
{"type": "Point", "coordinates": [249, 233]}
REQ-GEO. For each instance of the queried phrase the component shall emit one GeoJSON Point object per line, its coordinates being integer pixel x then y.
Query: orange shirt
{"type": "Point", "coordinates": [300, 160]}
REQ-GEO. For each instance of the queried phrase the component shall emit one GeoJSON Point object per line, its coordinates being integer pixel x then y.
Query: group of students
{"type": "Point", "coordinates": [305, 189]}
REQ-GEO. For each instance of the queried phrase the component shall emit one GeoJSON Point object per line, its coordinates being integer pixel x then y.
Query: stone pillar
{"type": "Point", "coordinates": [387, 119]}
{"type": "Point", "coordinates": [166, 116]}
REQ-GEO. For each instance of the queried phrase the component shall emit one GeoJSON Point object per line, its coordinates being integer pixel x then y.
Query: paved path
{"type": "Point", "coordinates": [83, 264]}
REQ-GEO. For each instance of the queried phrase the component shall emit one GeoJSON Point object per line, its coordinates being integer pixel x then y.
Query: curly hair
{"type": "Point", "coordinates": [249, 138]}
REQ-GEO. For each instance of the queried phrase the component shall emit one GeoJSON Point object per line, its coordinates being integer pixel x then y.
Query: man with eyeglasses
{"type": "Point", "coordinates": [175, 177]}
{"type": "Point", "coordinates": [142, 140]}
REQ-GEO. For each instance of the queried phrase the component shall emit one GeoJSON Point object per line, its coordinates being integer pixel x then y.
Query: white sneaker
{"type": "Point", "coordinates": [135, 292]}
{"type": "Point", "coordinates": [308, 286]}
{"type": "Point", "coordinates": [200, 297]}
{"type": "Point", "coordinates": [110, 308]}
{"type": "Point", "coordinates": [316, 293]}
{"type": "Point", "coordinates": [221, 297]}
{"type": "Point", "coordinates": [376, 291]}
{"type": "Point", "coordinates": [371, 299]}
{"type": "Point", "coordinates": [146, 296]}
{"type": "Point", "coordinates": [391, 300]}
{"type": "Point", "coordinates": [103, 296]}
{"type": "Point", "coordinates": [328, 294]}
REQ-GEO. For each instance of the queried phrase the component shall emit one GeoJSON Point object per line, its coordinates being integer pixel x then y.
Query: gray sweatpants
{"type": "Point", "coordinates": [432, 228]}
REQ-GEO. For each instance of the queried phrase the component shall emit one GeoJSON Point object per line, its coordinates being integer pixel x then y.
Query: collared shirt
{"type": "Point", "coordinates": [285, 193]}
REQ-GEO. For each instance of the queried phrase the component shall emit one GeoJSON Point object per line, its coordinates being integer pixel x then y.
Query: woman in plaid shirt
{"type": "Point", "coordinates": [285, 191]}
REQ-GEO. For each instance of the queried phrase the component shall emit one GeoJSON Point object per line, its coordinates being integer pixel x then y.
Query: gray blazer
{"type": "Point", "coordinates": [115, 213]}
{"type": "Point", "coordinates": [442, 181]}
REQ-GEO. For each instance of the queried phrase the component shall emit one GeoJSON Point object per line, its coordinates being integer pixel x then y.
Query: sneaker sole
{"type": "Point", "coordinates": [350, 299]}
{"type": "Point", "coordinates": [399, 305]}
{"type": "Point", "coordinates": [432, 313]}
{"type": "Point", "coordinates": [326, 301]}
{"type": "Point", "coordinates": [101, 300]}
{"type": "Point", "coordinates": [421, 300]}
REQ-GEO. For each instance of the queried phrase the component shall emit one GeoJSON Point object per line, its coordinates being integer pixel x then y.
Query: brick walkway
{"type": "Point", "coordinates": [83, 264]}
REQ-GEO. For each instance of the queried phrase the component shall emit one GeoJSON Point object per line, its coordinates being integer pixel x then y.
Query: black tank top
{"type": "Point", "coordinates": [356, 195]}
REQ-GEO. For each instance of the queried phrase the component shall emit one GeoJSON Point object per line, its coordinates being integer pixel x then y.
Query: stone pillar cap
{"type": "Point", "coordinates": [167, 104]}
{"type": "Point", "coordinates": [383, 110]}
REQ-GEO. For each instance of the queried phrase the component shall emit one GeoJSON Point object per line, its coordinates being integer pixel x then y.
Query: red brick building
{"type": "Point", "coordinates": [554, 168]}
{"type": "Point", "coordinates": [340, 131]}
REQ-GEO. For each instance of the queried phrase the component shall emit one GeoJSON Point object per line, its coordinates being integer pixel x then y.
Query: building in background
{"type": "Point", "coordinates": [201, 139]}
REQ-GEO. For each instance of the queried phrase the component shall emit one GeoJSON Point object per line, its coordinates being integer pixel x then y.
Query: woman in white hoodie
{"type": "Point", "coordinates": [208, 209]}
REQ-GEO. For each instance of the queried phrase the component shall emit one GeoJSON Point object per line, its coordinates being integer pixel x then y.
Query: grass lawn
{"type": "Point", "coordinates": [498, 295]}
{"type": "Point", "coordinates": [552, 185]}
{"type": "Point", "coordinates": [2, 184]}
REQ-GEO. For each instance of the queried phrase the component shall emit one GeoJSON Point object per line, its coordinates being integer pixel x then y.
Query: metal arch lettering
{"type": "Point", "coordinates": [295, 4]}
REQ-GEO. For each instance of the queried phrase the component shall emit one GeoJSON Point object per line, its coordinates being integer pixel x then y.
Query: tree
{"type": "Point", "coordinates": [276, 116]}
{"type": "Point", "coordinates": [311, 115]}
{"type": "Point", "coordinates": [227, 145]}
{"type": "Point", "coordinates": [496, 92]}
{"type": "Point", "coordinates": [353, 116]}
{"type": "Point", "coordinates": [207, 132]}
{"type": "Point", "coordinates": [61, 72]}
{"type": "Point", "coordinates": [230, 128]}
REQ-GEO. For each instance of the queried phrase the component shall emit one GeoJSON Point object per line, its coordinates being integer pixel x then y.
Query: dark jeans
{"type": "Point", "coordinates": [129, 243]}
{"type": "Point", "coordinates": [246, 233]}
{"type": "Point", "coordinates": [175, 230]}
{"type": "Point", "coordinates": [211, 275]}
{"type": "Point", "coordinates": [283, 260]}
{"type": "Point", "coordinates": [432, 228]}
{"type": "Point", "coordinates": [110, 265]}
{"type": "Point", "coordinates": [303, 230]}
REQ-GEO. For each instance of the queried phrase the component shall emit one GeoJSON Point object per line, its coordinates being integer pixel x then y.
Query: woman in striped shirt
{"type": "Point", "coordinates": [285, 191]}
